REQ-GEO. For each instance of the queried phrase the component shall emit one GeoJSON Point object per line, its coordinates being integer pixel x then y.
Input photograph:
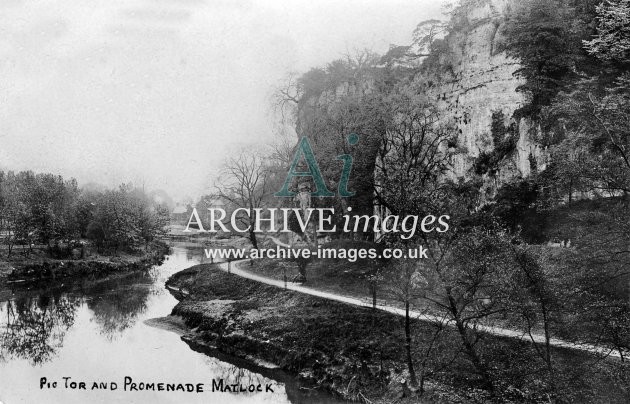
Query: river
{"type": "Point", "coordinates": [97, 331]}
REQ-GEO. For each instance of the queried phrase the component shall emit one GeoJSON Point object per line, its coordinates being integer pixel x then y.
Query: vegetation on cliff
{"type": "Point", "coordinates": [493, 263]}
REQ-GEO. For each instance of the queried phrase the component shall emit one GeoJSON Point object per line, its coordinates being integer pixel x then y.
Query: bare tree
{"type": "Point", "coordinates": [285, 99]}
{"type": "Point", "coordinates": [413, 155]}
{"type": "Point", "coordinates": [406, 283]}
{"type": "Point", "coordinates": [467, 273]}
{"type": "Point", "coordinates": [244, 183]}
{"type": "Point", "coordinates": [283, 149]}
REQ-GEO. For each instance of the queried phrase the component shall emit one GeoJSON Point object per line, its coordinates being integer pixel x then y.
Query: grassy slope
{"type": "Point", "coordinates": [357, 352]}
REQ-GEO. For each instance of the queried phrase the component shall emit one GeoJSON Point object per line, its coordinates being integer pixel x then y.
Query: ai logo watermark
{"type": "Point", "coordinates": [305, 151]}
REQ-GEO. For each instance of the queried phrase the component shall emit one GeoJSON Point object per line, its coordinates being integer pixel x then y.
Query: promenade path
{"type": "Point", "coordinates": [234, 268]}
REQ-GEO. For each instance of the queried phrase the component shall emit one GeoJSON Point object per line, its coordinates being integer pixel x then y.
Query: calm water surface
{"type": "Point", "coordinates": [94, 330]}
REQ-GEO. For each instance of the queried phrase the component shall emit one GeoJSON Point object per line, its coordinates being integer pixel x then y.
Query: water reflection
{"type": "Point", "coordinates": [95, 330]}
{"type": "Point", "coordinates": [36, 325]}
{"type": "Point", "coordinates": [36, 320]}
{"type": "Point", "coordinates": [117, 304]}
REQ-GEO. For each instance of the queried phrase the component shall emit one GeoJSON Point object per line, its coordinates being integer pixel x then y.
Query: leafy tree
{"type": "Point", "coordinates": [126, 218]}
{"type": "Point", "coordinates": [11, 208]}
{"type": "Point", "coordinates": [47, 209]}
{"type": "Point", "coordinates": [546, 37]}
{"type": "Point", "coordinates": [95, 233]}
{"type": "Point", "coordinates": [426, 32]}
{"type": "Point", "coordinates": [612, 42]}
{"type": "Point", "coordinates": [593, 124]}
{"type": "Point", "coordinates": [569, 172]}
{"type": "Point", "coordinates": [84, 213]}
{"type": "Point", "coordinates": [151, 218]}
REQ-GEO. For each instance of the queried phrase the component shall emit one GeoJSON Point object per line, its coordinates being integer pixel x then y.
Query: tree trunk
{"type": "Point", "coordinates": [374, 295]}
{"type": "Point", "coordinates": [373, 290]}
{"type": "Point", "coordinates": [412, 372]}
{"type": "Point", "coordinates": [474, 357]}
{"type": "Point", "coordinates": [302, 270]}
{"type": "Point", "coordinates": [552, 378]}
{"type": "Point", "coordinates": [469, 346]}
{"type": "Point", "coordinates": [252, 238]}
{"type": "Point", "coordinates": [421, 386]}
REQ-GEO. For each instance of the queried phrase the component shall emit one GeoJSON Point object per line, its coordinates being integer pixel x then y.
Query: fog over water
{"type": "Point", "coordinates": [157, 92]}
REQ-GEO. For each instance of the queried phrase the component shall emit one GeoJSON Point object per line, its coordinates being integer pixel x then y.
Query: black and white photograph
{"type": "Point", "coordinates": [314, 201]}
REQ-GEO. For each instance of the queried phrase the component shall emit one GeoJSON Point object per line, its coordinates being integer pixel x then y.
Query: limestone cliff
{"type": "Point", "coordinates": [480, 82]}
{"type": "Point", "coordinates": [471, 79]}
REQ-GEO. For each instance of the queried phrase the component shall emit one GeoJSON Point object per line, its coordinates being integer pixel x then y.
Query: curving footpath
{"type": "Point", "coordinates": [502, 332]}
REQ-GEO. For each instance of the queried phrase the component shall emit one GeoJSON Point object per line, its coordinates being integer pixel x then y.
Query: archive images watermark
{"type": "Point", "coordinates": [266, 219]}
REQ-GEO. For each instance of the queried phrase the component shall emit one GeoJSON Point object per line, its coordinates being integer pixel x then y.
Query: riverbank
{"type": "Point", "coordinates": [38, 268]}
{"type": "Point", "coordinates": [358, 353]}
{"type": "Point", "coordinates": [252, 321]}
{"type": "Point", "coordinates": [106, 328]}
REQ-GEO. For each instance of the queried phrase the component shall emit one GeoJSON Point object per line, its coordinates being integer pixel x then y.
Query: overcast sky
{"type": "Point", "coordinates": [158, 91]}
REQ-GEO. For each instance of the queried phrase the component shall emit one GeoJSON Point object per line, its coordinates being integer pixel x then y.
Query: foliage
{"type": "Point", "coordinates": [517, 208]}
{"type": "Point", "coordinates": [412, 156]}
{"type": "Point", "coordinates": [600, 276]}
{"type": "Point", "coordinates": [594, 150]}
{"type": "Point", "coordinates": [504, 140]}
{"type": "Point", "coordinates": [46, 209]}
{"type": "Point", "coordinates": [612, 42]}
{"type": "Point", "coordinates": [467, 276]}
{"type": "Point", "coordinates": [332, 103]}
{"type": "Point", "coordinates": [483, 270]}
{"type": "Point", "coordinates": [546, 37]}
{"type": "Point", "coordinates": [36, 326]}
{"type": "Point", "coordinates": [426, 32]}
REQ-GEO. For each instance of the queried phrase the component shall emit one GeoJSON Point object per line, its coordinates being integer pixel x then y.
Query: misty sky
{"type": "Point", "coordinates": [158, 91]}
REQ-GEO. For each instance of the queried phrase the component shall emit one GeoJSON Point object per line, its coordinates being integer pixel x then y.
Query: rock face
{"type": "Point", "coordinates": [474, 82]}
{"type": "Point", "coordinates": [480, 82]}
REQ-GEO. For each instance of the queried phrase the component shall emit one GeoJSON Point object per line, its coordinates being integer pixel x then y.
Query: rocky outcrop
{"type": "Point", "coordinates": [472, 80]}
{"type": "Point", "coordinates": [479, 82]}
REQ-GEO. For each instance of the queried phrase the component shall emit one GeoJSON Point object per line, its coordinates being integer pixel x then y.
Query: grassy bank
{"type": "Point", "coordinates": [358, 353]}
{"type": "Point", "coordinates": [38, 266]}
